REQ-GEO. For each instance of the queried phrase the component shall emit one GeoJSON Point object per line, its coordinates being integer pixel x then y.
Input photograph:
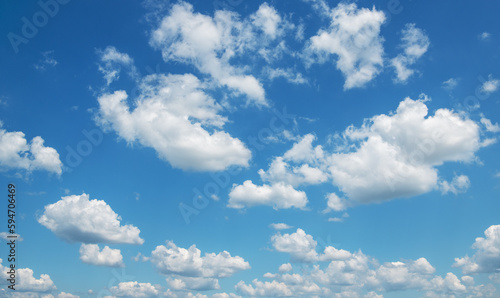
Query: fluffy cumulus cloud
{"type": "Point", "coordinates": [188, 270]}
{"type": "Point", "coordinates": [279, 196]}
{"type": "Point", "coordinates": [174, 116]}
{"type": "Point", "coordinates": [353, 38]}
{"type": "Point", "coordinates": [76, 218]}
{"type": "Point", "coordinates": [91, 254]}
{"type": "Point", "coordinates": [340, 273]}
{"type": "Point", "coordinates": [135, 289]}
{"type": "Point", "coordinates": [27, 282]}
{"type": "Point", "coordinates": [390, 156]}
{"type": "Point", "coordinates": [17, 153]}
{"type": "Point", "coordinates": [486, 259]}
{"type": "Point", "coordinates": [210, 44]}
{"type": "Point", "coordinates": [414, 43]}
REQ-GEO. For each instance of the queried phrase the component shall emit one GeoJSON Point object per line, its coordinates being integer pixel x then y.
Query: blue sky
{"type": "Point", "coordinates": [252, 149]}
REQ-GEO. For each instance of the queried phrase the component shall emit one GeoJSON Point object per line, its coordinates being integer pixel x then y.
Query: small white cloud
{"type": "Point", "coordinates": [26, 281]}
{"type": "Point", "coordinates": [354, 38]}
{"type": "Point", "coordinates": [5, 236]}
{"type": "Point", "coordinates": [173, 260]}
{"type": "Point", "coordinates": [414, 43]}
{"type": "Point", "coordinates": [135, 289]}
{"type": "Point", "coordinates": [280, 226]}
{"type": "Point", "coordinates": [16, 153]}
{"type": "Point", "coordinates": [450, 84]}
{"type": "Point", "coordinates": [484, 36]}
{"type": "Point", "coordinates": [491, 85]}
{"type": "Point", "coordinates": [490, 126]}
{"type": "Point", "coordinates": [459, 184]}
{"type": "Point", "coordinates": [112, 63]}
{"type": "Point", "coordinates": [335, 203]}
{"type": "Point", "coordinates": [279, 196]}
{"type": "Point", "coordinates": [76, 218]}
{"type": "Point", "coordinates": [285, 268]}
{"type": "Point", "coordinates": [90, 254]}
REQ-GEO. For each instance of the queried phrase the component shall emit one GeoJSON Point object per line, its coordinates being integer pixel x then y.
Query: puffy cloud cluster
{"type": "Point", "coordinates": [354, 38]}
{"type": "Point", "coordinates": [135, 289]}
{"type": "Point", "coordinates": [174, 116]}
{"type": "Point", "coordinates": [76, 218]}
{"type": "Point", "coordinates": [486, 259]}
{"type": "Point", "coordinates": [209, 43]}
{"type": "Point", "coordinates": [17, 153]}
{"type": "Point", "coordinates": [340, 273]}
{"type": "Point", "coordinates": [390, 156]}
{"type": "Point", "coordinates": [91, 254]}
{"type": "Point", "coordinates": [188, 270]}
{"type": "Point", "coordinates": [26, 281]}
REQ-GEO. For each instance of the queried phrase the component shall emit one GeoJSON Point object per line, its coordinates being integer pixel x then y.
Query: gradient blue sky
{"type": "Point", "coordinates": [151, 156]}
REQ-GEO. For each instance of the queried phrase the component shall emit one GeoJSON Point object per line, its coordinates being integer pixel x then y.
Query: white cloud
{"type": "Point", "coordinates": [77, 219]}
{"type": "Point", "coordinates": [353, 36]}
{"type": "Point", "coordinates": [26, 281]}
{"type": "Point", "coordinates": [490, 126]}
{"type": "Point", "coordinates": [390, 156]}
{"type": "Point", "coordinates": [209, 43]}
{"type": "Point", "coordinates": [414, 43]}
{"type": "Point", "coordinates": [112, 63]}
{"type": "Point", "coordinates": [176, 118]}
{"type": "Point", "coordinates": [16, 153]}
{"type": "Point", "coordinates": [48, 60]}
{"type": "Point", "coordinates": [171, 259]}
{"type": "Point", "coordinates": [491, 85]}
{"type": "Point", "coordinates": [486, 259]}
{"type": "Point", "coordinates": [299, 245]}
{"type": "Point", "coordinates": [279, 196]}
{"type": "Point", "coordinates": [484, 36]}
{"type": "Point", "coordinates": [135, 289]}
{"type": "Point", "coordinates": [450, 84]}
{"type": "Point", "coordinates": [90, 254]}
{"type": "Point", "coordinates": [280, 226]}
{"type": "Point", "coordinates": [66, 295]}
{"type": "Point", "coordinates": [285, 268]}
{"type": "Point", "coordinates": [459, 184]}
{"type": "Point", "coordinates": [183, 283]}
{"type": "Point", "coordinates": [264, 289]}
{"type": "Point", "coordinates": [4, 236]}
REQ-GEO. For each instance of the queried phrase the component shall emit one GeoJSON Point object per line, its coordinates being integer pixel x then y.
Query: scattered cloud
{"type": "Point", "coordinates": [112, 62]}
{"type": "Point", "coordinates": [485, 36]}
{"type": "Point", "coordinates": [26, 281]}
{"type": "Point", "coordinates": [491, 85]}
{"type": "Point", "coordinates": [450, 84]}
{"type": "Point", "coordinates": [486, 259]}
{"type": "Point", "coordinates": [76, 218]}
{"type": "Point", "coordinates": [490, 126]}
{"type": "Point", "coordinates": [17, 153]}
{"type": "Point", "coordinates": [48, 60]}
{"type": "Point", "coordinates": [188, 270]}
{"type": "Point", "coordinates": [279, 196]}
{"type": "Point", "coordinates": [353, 37]}
{"type": "Point", "coordinates": [414, 43]}
{"type": "Point", "coordinates": [459, 184]}
{"type": "Point", "coordinates": [280, 226]}
{"type": "Point", "coordinates": [135, 289]}
{"type": "Point", "coordinates": [91, 254]}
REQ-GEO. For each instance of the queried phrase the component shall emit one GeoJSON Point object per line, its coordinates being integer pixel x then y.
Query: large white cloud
{"type": "Point", "coordinates": [91, 254]}
{"type": "Point", "coordinates": [414, 43]}
{"type": "Point", "coordinates": [135, 289]}
{"type": "Point", "coordinates": [279, 196]}
{"type": "Point", "coordinates": [17, 153]}
{"type": "Point", "coordinates": [209, 43]}
{"type": "Point", "coordinates": [76, 218]}
{"type": "Point", "coordinates": [486, 259]}
{"type": "Point", "coordinates": [188, 270]}
{"type": "Point", "coordinates": [175, 117]}
{"type": "Point", "coordinates": [354, 38]}
{"type": "Point", "coordinates": [390, 156]}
